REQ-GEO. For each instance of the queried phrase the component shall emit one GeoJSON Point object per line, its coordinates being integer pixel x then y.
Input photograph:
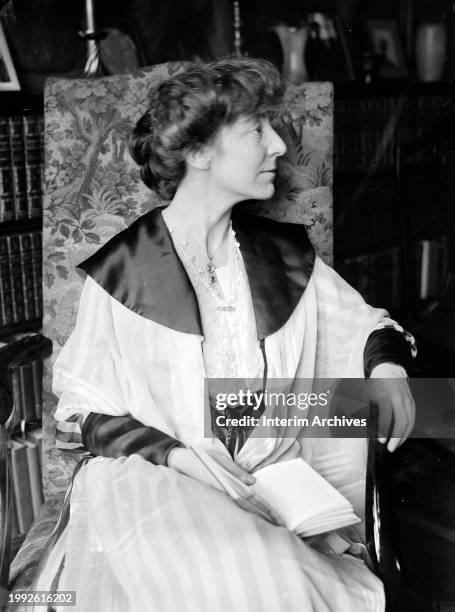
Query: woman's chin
{"type": "Point", "coordinates": [266, 193]}
{"type": "Point", "coordinates": [263, 192]}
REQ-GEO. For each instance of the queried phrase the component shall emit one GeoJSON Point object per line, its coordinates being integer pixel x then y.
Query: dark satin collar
{"type": "Point", "coordinates": [140, 268]}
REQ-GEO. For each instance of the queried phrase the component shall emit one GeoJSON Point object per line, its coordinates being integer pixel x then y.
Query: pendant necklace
{"type": "Point", "coordinates": [207, 273]}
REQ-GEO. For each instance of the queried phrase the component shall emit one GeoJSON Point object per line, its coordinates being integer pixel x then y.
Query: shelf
{"type": "Point", "coordinates": [34, 325]}
{"type": "Point", "coordinates": [345, 253]}
{"type": "Point", "coordinates": [391, 87]}
{"type": "Point", "coordinates": [24, 225]}
{"type": "Point", "coordinates": [356, 174]}
{"type": "Point", "coordinates": [19, 103]}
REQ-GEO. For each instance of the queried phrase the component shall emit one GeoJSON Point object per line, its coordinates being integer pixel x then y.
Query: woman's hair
{"type": "Point", "coordinates": [187, 110]}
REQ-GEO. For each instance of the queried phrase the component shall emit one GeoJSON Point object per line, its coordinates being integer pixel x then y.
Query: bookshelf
{"type": "Point", "coordinates": [393, 222]}
{"type": "Point", "coordinates": [21, 180]}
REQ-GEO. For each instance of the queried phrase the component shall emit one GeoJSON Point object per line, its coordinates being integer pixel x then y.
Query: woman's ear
{"type": "Point", "coordinates": [199, 158]}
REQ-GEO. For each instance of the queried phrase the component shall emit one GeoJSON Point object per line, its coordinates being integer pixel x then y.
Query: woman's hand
{"type": "Point", "coordinates": [394, 399]}
{"type": "Point", "coordinates": [185, 461]}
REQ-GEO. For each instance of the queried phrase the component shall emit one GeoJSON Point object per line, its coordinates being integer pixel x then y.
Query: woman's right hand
{"type": "Point", "coordinates": [185, 461]}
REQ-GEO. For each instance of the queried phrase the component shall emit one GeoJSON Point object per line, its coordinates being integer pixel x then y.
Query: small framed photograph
{"type": "Point", "coordinates": [327, 54]}
{"type": "Point", "coordinates": [385, 42]}
{"type": "Point", "coordinates": [8, 76]}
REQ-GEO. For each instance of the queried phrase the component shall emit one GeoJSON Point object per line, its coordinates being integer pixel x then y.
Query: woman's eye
{"type": "Point", "coordinates": [258, 129]}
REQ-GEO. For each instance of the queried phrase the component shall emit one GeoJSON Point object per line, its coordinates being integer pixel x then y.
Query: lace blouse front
{"type": "Point", "coordinates": [230, 346]}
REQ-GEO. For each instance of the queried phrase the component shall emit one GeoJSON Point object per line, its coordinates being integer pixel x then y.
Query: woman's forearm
{"type": "Point", "coordinates": [387, 346]}
{"type": "Point", "coordinates": [121, 436]}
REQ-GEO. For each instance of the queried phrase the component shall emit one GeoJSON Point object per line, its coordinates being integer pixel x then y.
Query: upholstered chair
{"type": "Point", "coordinates": [93, 191]}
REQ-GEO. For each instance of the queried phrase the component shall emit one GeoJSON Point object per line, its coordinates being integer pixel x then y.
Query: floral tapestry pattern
{"type": "Point", "coordinates": [93, 191]}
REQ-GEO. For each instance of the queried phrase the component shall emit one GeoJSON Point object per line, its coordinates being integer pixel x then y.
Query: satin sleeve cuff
{"type": "Point", "coordinates": [121, 436]}
{"type": "Point", "coordinates": [387, 345]}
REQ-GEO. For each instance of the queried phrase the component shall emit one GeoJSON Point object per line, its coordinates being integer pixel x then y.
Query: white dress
{"type": "Point", "coordinates": [144, 537]}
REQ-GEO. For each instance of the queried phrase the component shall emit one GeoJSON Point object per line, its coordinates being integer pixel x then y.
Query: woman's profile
{"type": "Point", "coordinates": [177, 309]}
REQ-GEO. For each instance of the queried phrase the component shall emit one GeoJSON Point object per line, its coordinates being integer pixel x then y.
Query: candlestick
{"type": "Point", "coordinates": [92, 36]}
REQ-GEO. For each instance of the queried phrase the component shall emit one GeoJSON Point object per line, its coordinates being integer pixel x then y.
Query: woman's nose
{"type": "Point", "coordinates": [275, 144]}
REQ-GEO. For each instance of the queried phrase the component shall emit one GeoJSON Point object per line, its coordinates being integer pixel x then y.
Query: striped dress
{"type": "Point", "coordinates": [145, 537]}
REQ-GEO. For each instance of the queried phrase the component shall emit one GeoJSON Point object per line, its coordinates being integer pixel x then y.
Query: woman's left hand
{"type": "Point", "coordinates": [395, 401]}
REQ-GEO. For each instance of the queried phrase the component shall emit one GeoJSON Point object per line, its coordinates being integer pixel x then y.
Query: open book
{"type": "Point", "coordinates": [289, 493]}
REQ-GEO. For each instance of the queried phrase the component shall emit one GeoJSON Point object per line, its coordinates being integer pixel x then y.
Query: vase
{"type": "Point", "coordinates": [293, 42]}
{"type": "Point", "coordinates": [431, 44]}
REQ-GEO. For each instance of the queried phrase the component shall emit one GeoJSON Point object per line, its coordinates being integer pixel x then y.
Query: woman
{"type": "Point", "coordinates": [199, 291]}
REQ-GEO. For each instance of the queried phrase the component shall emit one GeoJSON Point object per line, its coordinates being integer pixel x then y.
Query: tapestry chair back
{"type": "Point", "coordinates": [94, 191]}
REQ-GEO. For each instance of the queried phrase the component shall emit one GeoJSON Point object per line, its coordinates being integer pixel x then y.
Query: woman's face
{"type": "Point", "coordinates": [243, 159]}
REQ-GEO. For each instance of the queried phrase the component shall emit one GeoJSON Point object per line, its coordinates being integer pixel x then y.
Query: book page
{"type": "Point", "coordinates": [303, 498]}
{"type": "Point", "coordinates": [289, 493]}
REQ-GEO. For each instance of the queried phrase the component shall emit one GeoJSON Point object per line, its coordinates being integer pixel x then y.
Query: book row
{"type": "Point", "coordinates": [379, 274]}
{"type": "Point", "coordinates": [21, 373]}
{"type": "Point", "coordinates": [26, 470]}
{"type": "Point", "coordinates": [367, 149]}
{"type": "Point", "coordinates": [370, 130]}
{"type": "Point", "coordinates": [352, 113]}
{"type": "Point", "coordinates": [366, 213]}
{"type": "Point", "coordinates": [375, 276]}
{"type": "Point", "coordinates": [21, 167]}
{"type": "Point", "coordinates": [20, 277]}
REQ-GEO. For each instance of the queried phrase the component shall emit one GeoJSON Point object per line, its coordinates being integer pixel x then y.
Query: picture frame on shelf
{"type": "Point", "coordinates": [385, 41]}
{"type": "Point", "coordinates": [327, 53]}
{"type": "Point", "coordinates": [8, 75]}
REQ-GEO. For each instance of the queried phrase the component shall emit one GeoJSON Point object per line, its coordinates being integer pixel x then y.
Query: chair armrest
{"type": "Point", "coordinates": [379, 513]}
{"type": "Point", "coordinates": [380, 535]}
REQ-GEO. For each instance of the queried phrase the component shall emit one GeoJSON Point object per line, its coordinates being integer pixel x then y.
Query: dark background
{"type": "Point", "coordinates": [43, 34]}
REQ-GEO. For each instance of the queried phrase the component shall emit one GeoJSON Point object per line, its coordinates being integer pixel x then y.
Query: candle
{"type": "Point", "coordinates": [89, 16]}
{"type": "Point", "coordinates": [237, 35]}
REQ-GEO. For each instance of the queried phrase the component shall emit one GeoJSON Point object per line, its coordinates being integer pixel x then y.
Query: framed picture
{"type": "Point", "coordinates": [327, 55]}
{"type": "Point", "coordinates": [8, 76]}
{"type": "Point", "coordinates": [385, 41]}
